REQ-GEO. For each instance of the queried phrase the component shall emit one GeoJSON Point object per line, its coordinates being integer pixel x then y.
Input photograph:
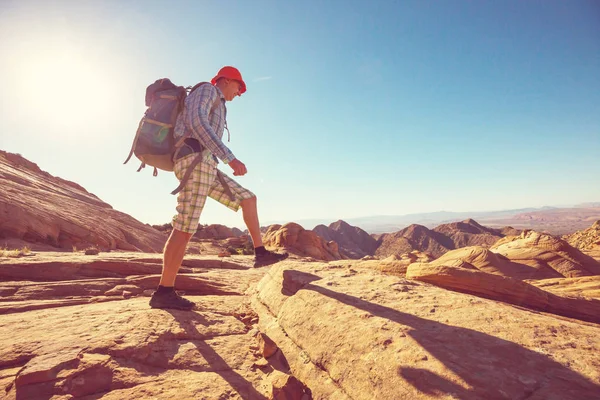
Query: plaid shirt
{"type": "Point", "coordinates": [203, 120]}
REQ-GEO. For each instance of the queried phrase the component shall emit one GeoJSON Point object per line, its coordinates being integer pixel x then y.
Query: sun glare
{"type": "Point", "coordinates": [64, 88]}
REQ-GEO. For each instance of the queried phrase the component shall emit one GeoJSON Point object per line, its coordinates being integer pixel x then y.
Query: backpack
{"type": "Point", "coordinates": [154, 143]}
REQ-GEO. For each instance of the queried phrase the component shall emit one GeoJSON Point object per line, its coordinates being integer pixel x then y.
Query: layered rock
{"type": "Point", "coordinates": [586, 286]}
{"type": "Point", "coordinates": [543, 251]}
{"type": "Point", "coordinates": [588, 239]}
{"type": "Point", "coordinates": [505, 289]}
{"type": "Point", "coordinates": [40, 208]}
{"type": "Point", "coordinates": [297, 240]}
{"type": "Point", "coordinates": [485, 260]}
{"type": "Point", "coordinates": [383, 337]}
{"type": "Point", "coordinates": [352, 241]}
{"type": "Point", "coordinates": [81, 336]}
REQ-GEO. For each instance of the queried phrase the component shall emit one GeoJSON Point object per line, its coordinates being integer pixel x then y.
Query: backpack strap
{"type": "Point", "coordinates": [137, 135]}
{"type": "Point", "coordinates": [226, 188]}
{"type": "Point", "coordinates": [198, 158]}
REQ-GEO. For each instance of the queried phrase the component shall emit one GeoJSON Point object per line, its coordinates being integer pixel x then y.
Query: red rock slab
{"type": "Point", "coordinates": [587, 286]}
{"type": "Point", "coordinates": [505, 289]}
{"type": "Point", "coordinates": [384, 337]}
{"type": "Point", "coordinates": [125, 349]}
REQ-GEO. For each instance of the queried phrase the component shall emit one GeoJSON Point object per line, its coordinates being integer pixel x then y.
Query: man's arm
{"type": "Point", "coordinates": [199, 104]}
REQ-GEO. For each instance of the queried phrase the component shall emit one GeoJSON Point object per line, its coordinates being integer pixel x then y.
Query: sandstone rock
{"type": "Point", "coordinates": [40, 208]}
{"type": "Point", "coordinates": [352, 241]}
{"type": "Point", "coordinates": [542, 251]}
{"type": "Point", "coordinates": [123, 349]}
{"type": "Point", "coordinates": [586, 286]}
{"type": "Point", "coordinates": [482, 259]}
{"type": "Point", "coordinates": [587, 239]}
{"type": "Point", "coordinates": [505, 289]}
{"type": "Point", "coordinates": [287, 387]}
{"type": "Point", "coordinates": [301, 242]}
{"type": "Point", "coordinates": [266, 346]}
{"type": "Point", "coordinates": [469, 348]}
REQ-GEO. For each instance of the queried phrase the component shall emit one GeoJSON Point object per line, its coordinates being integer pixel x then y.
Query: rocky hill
{"type": "Point", "coordinates": [37, 207]}
{"type": "Point", "coordinates": [352, 241]}
{"type": "Point", "coordinates": [587, 239]}
{"type": "Point", "coordinates": [439, 240]}
{"type": "Point", "coordinates": [299, 241]}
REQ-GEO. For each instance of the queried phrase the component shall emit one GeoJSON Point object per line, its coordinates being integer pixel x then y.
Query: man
{"type": "Point", "coordinates": [202, 123]}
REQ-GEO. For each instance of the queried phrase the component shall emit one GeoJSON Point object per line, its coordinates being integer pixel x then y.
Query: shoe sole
{"type": "Point", "coordinates": [266, 264]}
{"type": "Point", "coordinates": [167, 307]}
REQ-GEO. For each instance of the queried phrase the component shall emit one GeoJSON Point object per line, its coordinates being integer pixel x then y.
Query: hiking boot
{"type": "Point", "coordinates": [170, 300]}
{"type": "Point", "coordinates": [268, 258]}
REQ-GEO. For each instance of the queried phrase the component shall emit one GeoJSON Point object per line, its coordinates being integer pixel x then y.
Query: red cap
{"type": "Point", "coordinates": [230, 73]}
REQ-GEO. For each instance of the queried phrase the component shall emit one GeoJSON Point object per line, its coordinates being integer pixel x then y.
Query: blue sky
{"type": "Point", "coordinates": [353, 108]}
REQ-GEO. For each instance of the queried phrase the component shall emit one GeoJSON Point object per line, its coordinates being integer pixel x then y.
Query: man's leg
{"type": "Point", "coordinates": [250, 213]}
{"type": "Point", "coordinates": [262, 257]}
{"type": "Point", "coordinates": [165, 295]}
{"type": "Point", "coordinates": [190, 202]}
{"type": "Point", "coordinates": [173, 256]}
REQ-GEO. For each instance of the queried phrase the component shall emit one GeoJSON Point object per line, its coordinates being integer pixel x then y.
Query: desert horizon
{"type": "Point", "coordinates": [299, 200]}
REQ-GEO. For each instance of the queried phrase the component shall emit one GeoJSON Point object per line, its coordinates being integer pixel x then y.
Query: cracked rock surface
{"type": "Point", "coordinates": [69, 333]}
{"type": "Point", "coordinates": [352, 333]}
{"type": "Point", "coordinates": [80, 327]}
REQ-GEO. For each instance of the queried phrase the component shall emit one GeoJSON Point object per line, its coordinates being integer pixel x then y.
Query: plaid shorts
{"type": "Point", "coordinates": [203, 183]}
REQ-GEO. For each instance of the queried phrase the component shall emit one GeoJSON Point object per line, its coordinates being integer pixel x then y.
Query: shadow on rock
{"type": "Point", "coordinates": [244, 388]}
{"type": "Point", "coordinates": [491, 366]}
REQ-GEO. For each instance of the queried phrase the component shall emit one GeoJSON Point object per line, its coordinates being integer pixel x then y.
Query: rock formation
{"type": "Point", "coordinates": [352, 241]}
{"type": "Point", "coordinates": [505, 289]}
{"type": "Point", "coordinates": [413, 237]}
{"type": "Point", "coordinates": [588, 239]}
{"type": "Point", "coordinates": [469, 233]}
{"type": "Point", "coordinates": [350, 333]}
{"type": "Point", "coordinates": [543, 251]}
{"type": "Point", "coordinates": [216, 231]}
{"type": "Point", "coordinates": [439, 240]}
{"type": "Point", "coordinates": [301, 242]}
{"type": "Point", "coordinates": [40, 208]}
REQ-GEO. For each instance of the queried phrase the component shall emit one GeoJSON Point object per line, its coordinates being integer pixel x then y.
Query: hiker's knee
{"type": "Point", "coordinates": [179, 237]}
{"type": "Point", "coordinates": [250, 202]}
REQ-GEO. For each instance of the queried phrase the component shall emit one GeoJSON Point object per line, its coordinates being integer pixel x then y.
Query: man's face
{"type": "Point", "coordinates": [232, 89]}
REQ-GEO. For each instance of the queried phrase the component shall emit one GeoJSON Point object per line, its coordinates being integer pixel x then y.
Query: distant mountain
{"type": "Point", "coordinates": [469, 233]}
{"type": "Point", "coordinates": [413, 237]}
{"type": "Point", "coordinates": [588, 205]}
{"type": "Point", "coordinates": [438, 241]}
{"type": "Point", "coordinates": [353, 242]}
{"type": "Point", "coordinates": [553, 220]}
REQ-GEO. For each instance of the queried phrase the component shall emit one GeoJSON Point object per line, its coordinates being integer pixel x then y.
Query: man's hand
{"type": "Point", "coordinates": [238, 167]}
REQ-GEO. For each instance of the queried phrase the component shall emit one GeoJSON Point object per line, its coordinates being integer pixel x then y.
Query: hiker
{"type": "Point", "coordinates": [203, 120]}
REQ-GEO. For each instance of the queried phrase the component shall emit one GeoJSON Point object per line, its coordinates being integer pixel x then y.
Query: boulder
{"type": "Point", "coordinates": [301, 242]}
